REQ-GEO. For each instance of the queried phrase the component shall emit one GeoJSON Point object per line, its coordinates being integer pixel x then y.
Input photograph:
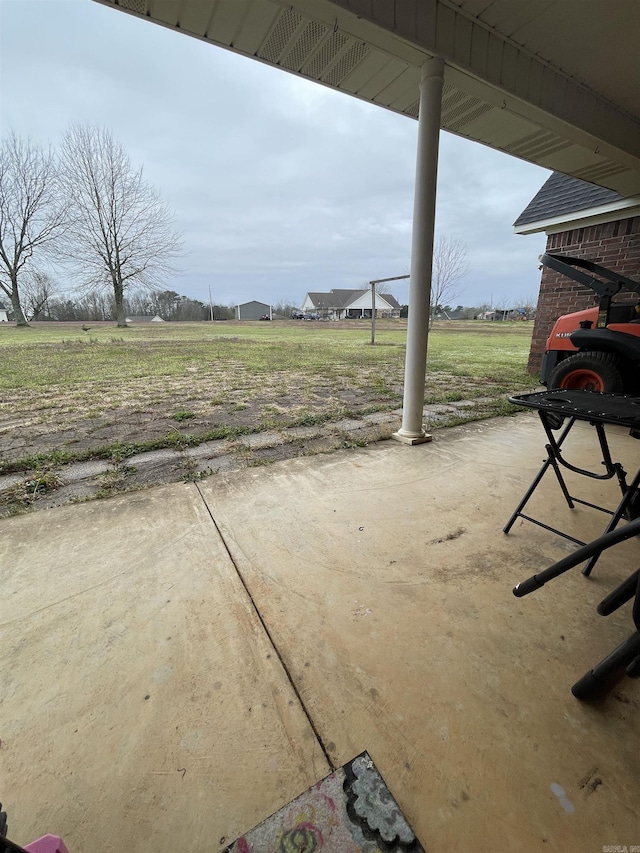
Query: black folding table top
{"type": "Point", "coordinates": [593, 406]}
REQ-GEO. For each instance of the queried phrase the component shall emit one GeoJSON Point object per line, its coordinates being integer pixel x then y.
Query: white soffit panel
{"type": "Point", "coordinates": [520, 77]}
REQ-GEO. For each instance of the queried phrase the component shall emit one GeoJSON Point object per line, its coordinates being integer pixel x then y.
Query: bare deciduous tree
{"type": "Point", "coordinates": [38, 288]}
{"type": "Point", "coordinates": [504, 303]}
{"type": "Point", "coordinates": [32, 213]}
{"type": "Point", "coordinates": [284, 308]}
{"type": "Point", "coordinates": [381, 286]}
{"type": "Point", "coordinates": [121, 232]}
{"type": "Point", "coordinates": [450, 265]}
{"type": "Point", "coordinates": [528, 304]}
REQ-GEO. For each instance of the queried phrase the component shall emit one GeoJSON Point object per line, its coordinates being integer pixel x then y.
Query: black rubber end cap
{"type": "Point", "coordinates": [524, 588]}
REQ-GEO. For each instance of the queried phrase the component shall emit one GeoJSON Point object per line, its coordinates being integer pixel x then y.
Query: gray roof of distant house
{"type": "Point", "coordinates": [562, 195]}
{"type": "Point", "coordinates": [339, 298]}
{"type": "Point", "coordinates": [333, 299]}
{"type": "Point", "coordinates": [391, 300]}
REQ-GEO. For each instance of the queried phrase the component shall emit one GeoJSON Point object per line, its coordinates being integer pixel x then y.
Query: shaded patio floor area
{"type": "Point", "coordinates": [179, 663]}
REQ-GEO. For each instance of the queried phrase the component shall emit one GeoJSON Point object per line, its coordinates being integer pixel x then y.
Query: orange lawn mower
{"type": "Point", "coordinates": [597, 349]}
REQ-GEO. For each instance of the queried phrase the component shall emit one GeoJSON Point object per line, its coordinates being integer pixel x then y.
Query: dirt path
{"type": "Point", "coordinates": [88, 458]}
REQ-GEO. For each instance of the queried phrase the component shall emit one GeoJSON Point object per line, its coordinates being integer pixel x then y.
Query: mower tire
{"type": "Point", "coordinates": [588, 371]}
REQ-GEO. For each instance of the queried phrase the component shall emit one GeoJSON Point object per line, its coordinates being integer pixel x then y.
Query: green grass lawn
{"type": "Point", "coordinates": [67, 394]}
{"type": "Point", "coordinates": [50, 355]}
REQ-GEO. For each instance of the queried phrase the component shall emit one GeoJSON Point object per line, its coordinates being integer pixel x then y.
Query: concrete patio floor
{"type": "Point", "coordinates": [179, 663]}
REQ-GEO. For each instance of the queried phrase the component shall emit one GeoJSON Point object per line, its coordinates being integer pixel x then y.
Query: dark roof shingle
{"type": "Point", "coordinates": [564, 195]}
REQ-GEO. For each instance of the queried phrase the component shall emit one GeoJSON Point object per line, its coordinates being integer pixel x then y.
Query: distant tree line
{"type": "Point", "coordinates": [43, 302]}
{"type": "Point", "coordinates": [284, 309]}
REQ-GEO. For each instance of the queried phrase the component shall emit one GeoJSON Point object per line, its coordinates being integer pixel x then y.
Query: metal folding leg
{"type": "Point", "coordinates": [629, 494]}
{"type": "Point", "coordinates": [599, 679]}
{"type": "Point", "coordinates": [593, 549]}
{"type": "Point", "coordinates": [554, 460]}
{"type": "Point", "coordinates": [626, 656]}
{"type": "Point", "coordinates": [549, 462]}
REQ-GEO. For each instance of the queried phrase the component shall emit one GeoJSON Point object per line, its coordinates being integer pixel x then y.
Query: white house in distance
{"type": "Point", "coordinates": [3, 314]}
{"type": "Point", "coordinates": [350, 304]}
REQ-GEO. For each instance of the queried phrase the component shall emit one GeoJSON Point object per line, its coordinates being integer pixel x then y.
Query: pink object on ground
{"type": "Point", "coordinates": [47, 844]}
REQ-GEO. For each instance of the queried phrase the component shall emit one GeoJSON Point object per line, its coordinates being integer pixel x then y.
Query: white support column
{"type": "Point", "coordinates": [424, 208]}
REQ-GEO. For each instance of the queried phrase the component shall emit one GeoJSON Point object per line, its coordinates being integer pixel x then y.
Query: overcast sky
{"type": "Point", "coordinates": [279, 186]}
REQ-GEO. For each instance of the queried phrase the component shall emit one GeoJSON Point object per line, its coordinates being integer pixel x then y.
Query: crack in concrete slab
{"type": "Point", "coordinates": [331, 764]}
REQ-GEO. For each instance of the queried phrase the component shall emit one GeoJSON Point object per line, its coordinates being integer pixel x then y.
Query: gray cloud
{"type": "Point", "coordinates": [279, 185]}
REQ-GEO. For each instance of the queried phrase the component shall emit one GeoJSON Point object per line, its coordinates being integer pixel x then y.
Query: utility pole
{"type": "Point", "coordinates": [210, 305]}
{"type": "Point", "coordinates": [372, 284]}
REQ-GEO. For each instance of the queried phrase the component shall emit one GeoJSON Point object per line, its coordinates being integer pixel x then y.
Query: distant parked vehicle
{"type": "Point", "coordinates": [265, 317]}
{"type": "Point", "coordinates": [311, 316]}
{"type": "Point", "coordinates": [297, 315]}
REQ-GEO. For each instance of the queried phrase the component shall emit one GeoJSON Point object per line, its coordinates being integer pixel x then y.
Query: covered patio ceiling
{"type": "Point", "coordinates": [553, 82]}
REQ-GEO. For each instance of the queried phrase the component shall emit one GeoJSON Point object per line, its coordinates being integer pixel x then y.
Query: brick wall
{"type": "Point", "coordinates": [615, 245]}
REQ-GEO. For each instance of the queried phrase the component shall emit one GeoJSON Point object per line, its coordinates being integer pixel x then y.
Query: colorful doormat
{"type": "Point", "coordinates": [351, 810]}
